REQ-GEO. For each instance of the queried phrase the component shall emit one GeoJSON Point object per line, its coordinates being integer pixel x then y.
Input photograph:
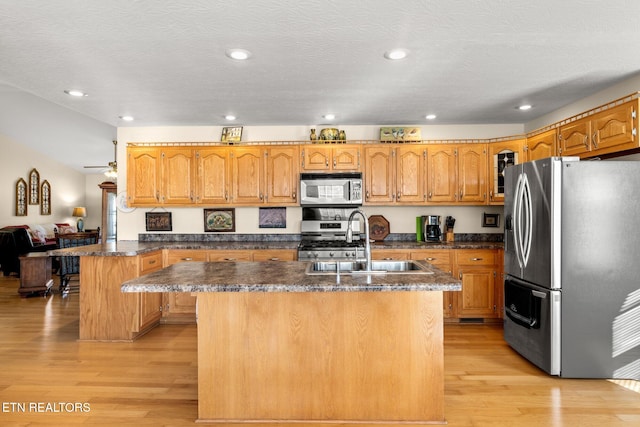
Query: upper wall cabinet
{"type": "Point", "coordinates": [608, 131]}
{"type": "Point", "coordinates": [196, 176]}
{"type": "Point", "coordinates": [501, 155]}
{"type": "Point", "coordinates": [542, 145]}
{"type": "Point", "coordinates": [457, 173]}
{"type": "Point", "coordinates": [330, 157]}
{"type": "Point", "coordinates": [395, 174]}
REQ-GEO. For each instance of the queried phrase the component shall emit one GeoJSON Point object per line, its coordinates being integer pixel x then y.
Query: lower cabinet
{"type": "Point", "coordinates": [478, 270]}
{"type": "Point", "coordinates": [442, 259]}
{"type": "Point", "coordinates": [180, 307]}
{"type": "Point", "coordinates": [150, 302]}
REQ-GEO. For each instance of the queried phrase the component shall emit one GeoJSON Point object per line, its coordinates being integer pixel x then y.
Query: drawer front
{"type": "Point", "coordinates": [185, 255]}
{"type": "Point", "coordinates": [396, 255]}
{"type": "Point", "coordinates": [276, 255]}
{"type": "Point", "coordinates": [441, 258]}
{"type": "Point", "coordinates": [231, 255]}
{"type": "Point", "coordinates": [471, 257]}
{"type": "Point", "coordinates": [150, 262]}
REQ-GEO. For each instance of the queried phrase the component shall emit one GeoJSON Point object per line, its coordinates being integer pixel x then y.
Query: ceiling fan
{"type": "Point", "coordinates": [112, 167]}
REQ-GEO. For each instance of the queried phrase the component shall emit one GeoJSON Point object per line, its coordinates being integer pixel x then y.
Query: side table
{"type": "Point", "coordinates": [35, 273]}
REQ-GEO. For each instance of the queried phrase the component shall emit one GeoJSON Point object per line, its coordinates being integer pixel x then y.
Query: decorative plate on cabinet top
{"type": "Point", "coordinates": [378, 227]}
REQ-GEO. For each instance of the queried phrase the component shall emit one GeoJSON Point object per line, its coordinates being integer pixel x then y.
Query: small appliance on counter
{"type": "Point", "coordinates": [431, 228]}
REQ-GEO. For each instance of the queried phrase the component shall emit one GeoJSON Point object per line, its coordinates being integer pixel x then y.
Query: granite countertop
{"type": "Point", "coordinates": [135, 247]}
{"type": "Point", "coordinates": [287, 276]}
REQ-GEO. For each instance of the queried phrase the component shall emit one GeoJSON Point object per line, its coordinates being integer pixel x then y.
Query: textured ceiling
{"type": "Point", "coordinates": [164, 62]}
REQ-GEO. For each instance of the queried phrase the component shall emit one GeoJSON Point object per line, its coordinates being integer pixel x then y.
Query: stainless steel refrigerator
{"type": "Point", "coordinates": [572, 264]}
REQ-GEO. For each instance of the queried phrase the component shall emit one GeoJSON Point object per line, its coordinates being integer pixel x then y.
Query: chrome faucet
{"type": "Point", "coordinates": [367, 246]}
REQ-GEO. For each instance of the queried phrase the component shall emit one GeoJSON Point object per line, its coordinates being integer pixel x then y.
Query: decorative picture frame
{"type": "Point", "coordinates": [158, 221]}
{"type": "Point", "coordinates": [21, 197]}
{"type": "Point", "coordinates": [45, 198]}
{"type": "Point", "coordinates": [231, 134]}
{"type": "Point", "coordinates": [490, 220]}
{"type": "Point", "coordinates": [220, 220]}
{"type": "Point", "coordinates": [34, 187]}
{"type": "Point", "coordinates": [400, 134]}
{"type": "Point", "coordinates": [272, 217]}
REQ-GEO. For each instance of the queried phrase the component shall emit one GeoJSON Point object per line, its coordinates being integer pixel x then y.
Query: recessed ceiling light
{"type": "Point", "coordinates": [229, 117]}
{"type": "Point", "coordinates": [524, 107]}
{"type": "Point", "coordinates": [396, 54]}
{"type": "Point", "coordinates": [238, 54]}
{"type": "Point", "coordinates": [430, 116]}
{"type": "Point", "coordinates": [329, 116]}
{"type": "Point", "coordinates": [75, 92]}
{"type": "Point", "coordinates": [127, 118]}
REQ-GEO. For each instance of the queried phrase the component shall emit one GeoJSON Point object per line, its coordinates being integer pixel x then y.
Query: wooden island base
{"type": "Point", "coordinates": [320, 357]}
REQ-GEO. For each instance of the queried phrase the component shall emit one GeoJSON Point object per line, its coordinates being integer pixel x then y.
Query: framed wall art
{"type": "Point", "coordinates": [45, 198]}
{"type": "Point", "coordinates": [158, 221]}
{"type": "Point", "coordinates": [34, 187]}
{"type": "Point", "coordinates": [272, 218]}
{"type": "Point", "coordinates": [21, 197]}
{"type": "Point", "coordinates": [220, 220]}
{"type": "Point", "coordinates": [490, 220]}
{"type": "Point", "coordinates": [231, 134]}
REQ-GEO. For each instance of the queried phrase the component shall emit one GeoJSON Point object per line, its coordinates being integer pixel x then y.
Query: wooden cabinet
{"type": "Point", "coordinates": [607, 131]}
{"type": "Point", "coordinates": [442, 259]}
{"type": "Point", "coordinates": [392, 254]}
{"type": "Point", "coordinates": [213, 181]}
{"type": "Point", "coordinates": [501, 155]}
{"type": "Point", "coordinates": [180, 307]}
{"type": "Point", "coordinates": [478, 270]}
{"type": "Point", "coordinates": [395, 174]}
{"type": "Point", "coordinates": [230, 255]}
{"type": "Point", "coordinates": [457, 173]}
{"type": "Point", "coordinates": [262, 175]}
{"type": "Point", "coordinates": [542, 145]}
{"type": "Point", "coordinates": [333, 157]}
{"type": "Point", "coordinates": [150, 302]}
{"type": "Point", "coordinates": [275, 255]}
{"type": "Point", "coordinates": [143, 176]}
{"type": "Point", "coordinates": [282, 177]}
{"type": "Point", "coordinates": [195, 176]}
{"type": "Point", "coordinates": [107, 313]}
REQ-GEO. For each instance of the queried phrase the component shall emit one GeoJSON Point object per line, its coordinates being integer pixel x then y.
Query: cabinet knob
{"type": "Point", "coordinates": [187, 259]}
{"type": "Point", "coordinates": [294, 195]}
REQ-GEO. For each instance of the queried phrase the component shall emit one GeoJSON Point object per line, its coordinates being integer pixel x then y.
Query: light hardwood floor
{"type": "Point", "coordinates": [153, 381]}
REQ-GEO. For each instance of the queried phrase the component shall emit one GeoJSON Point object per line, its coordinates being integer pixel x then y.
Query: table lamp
{"type": "Point", "coordinates": [80, 213]}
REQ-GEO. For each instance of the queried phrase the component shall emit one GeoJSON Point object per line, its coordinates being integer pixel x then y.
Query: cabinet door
{"type": "Point", "coordinates": [247, 172]}
{"type": "Point", "coordinates": [316, 158]}
{"type": "Point", "coordinates": [345, 157]}
{"type": "Point", "coordinates": [379, 175]}
{"type": "Point", "coordinates": [441, 259]}
{"type": "Point", "coordinates": [472, 173]}
{"type": "Point", "coordinates": [441, 168]}
{"type": "Point", "coordinates": [143, 176]}
{"type": "Point", "coordinates": [180, 307]}
{"type": "Point", "coordinates": [542, 145]}
{"type": "Point", "coordinates": [574, 138]}
{"type": "Point", "coordinates": [501, 155]}
{"type": "Point", "coordinates": [282, 175]}
{"type": "Point", "coordinates": [178, 173]}
{"type": "Point", "coordinates": [150, 308]}
{"type": "Point", "coordinates": [411, 174]}
{"type": "Point", "coordinates": [213, 176]}
{"type": "Point", "coordinates": [614, 129]}
{"type": "Point", "coordinates": [477, 270]}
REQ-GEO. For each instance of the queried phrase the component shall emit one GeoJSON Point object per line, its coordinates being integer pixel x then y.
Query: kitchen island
{"type": "Point", "coordinates": [276, 345]}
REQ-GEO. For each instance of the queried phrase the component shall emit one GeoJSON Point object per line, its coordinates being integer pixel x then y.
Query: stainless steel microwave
{"type": "Point", "coordinates": [331, 189]}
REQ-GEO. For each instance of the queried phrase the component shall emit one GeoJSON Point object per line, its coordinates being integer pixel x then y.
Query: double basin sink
{"type": "Point", "coordinates": [356, 267]}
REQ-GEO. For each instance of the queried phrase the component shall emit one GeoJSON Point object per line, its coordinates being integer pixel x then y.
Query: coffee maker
{"type": "Point", "coordinates": [431, 231]}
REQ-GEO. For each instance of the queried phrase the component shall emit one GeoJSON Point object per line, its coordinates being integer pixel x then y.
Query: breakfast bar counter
{"type": "Point", "coordinates": [279, 345]}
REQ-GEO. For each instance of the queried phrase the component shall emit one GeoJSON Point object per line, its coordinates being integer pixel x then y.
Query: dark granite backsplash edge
{"type": "Point", "coordinates": [233, 237]}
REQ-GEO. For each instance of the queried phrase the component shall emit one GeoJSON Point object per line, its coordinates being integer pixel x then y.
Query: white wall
{"type": "Point", "coordinates": [401, 219]}
{"type": "Point", "coordinates": [67, 185]}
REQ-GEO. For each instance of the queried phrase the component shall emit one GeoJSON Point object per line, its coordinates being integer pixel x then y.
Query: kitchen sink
{"type": "Point", "coordinates": [377, 267]}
